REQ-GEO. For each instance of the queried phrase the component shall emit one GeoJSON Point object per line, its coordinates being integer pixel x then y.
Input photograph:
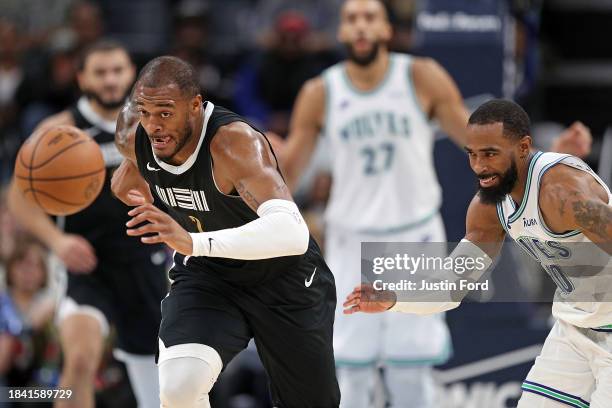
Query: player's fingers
{"type": "Point", "coordinates": [351, 302]}
{"type": "Point", "coordinates": [155, 239]}
{"type": "Point", "coordinates": [352, 310]}
{"type": "Point", "coordinates": [140, 209]}
{"type": "Point", "coordinates": [351, 297]}
{"type": "Point", "coordinates": [145, 229]}
{"type": "Point", "coordinates": [140, 218]}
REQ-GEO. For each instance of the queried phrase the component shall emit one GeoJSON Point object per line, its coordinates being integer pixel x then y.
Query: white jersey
{"type": "Point", "coordinates": [581, 270]}
{"type": "Point", "coordinates": [382, 149]}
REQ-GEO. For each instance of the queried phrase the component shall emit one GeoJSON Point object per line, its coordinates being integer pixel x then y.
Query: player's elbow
{"type": "Point", "coordinates": [298, 238]}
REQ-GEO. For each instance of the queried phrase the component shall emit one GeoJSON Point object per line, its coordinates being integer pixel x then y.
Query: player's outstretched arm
{"type": "Point", "coordinates": [304, 129]}
{"type": "Point", "coordinates": [484, 238]}
{"type": "Point", "coordinates": [127, 184]}
{"type": "Point", "coordinates": [440, 98]}
{"type": "Point", "coordinates": [571, 199]}
{"type": "Point", "coordinates": [243, 163]}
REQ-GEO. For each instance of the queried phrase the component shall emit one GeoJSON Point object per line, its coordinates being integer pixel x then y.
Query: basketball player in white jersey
{"type": "Point", "coordinates": [560, 212]}
{"type": "Point", "coordinates": [375, 111]}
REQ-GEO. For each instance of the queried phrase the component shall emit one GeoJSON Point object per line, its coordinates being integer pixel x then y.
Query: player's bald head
{"type": "Point", "coordinates": [165, 71]}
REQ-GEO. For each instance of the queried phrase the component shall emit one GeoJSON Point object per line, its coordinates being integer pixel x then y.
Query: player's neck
{"type": "Point", "coordinates": [369, 77]}
{"type": "Point", "coordinates": [105, 113]}
{"type": "Point", "coordinates": [518, 191]}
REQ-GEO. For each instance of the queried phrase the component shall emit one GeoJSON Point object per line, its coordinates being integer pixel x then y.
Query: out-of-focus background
{"type": "Point", "coordinates": [553, 57]}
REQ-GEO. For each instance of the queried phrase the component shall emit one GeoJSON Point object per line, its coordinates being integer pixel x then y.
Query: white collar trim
{"type": "Point", "coordinates": [92, 117]}
{"type": "Point", "coordinates": [192, 158]}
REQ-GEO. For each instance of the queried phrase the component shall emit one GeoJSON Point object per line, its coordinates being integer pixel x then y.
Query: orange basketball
{"type": "Point", "coordinates": [60, 169]}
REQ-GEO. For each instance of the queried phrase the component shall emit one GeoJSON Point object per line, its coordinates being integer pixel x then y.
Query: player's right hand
{"type": "Point", "coordinates": [366, 299]}
{"type": "Point", "coordinates": [76, 253]}
{"type": "Point", "coordinates": [129, 186]}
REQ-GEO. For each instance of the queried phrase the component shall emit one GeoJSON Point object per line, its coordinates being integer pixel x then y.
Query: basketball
{"type": "Point", "coordinates": [60, 169]}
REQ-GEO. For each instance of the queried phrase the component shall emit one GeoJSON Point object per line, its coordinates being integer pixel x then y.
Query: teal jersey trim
{"type": "Point", "coordinates": [378, 87]}
{"type": "Point", "coordinates": [502, 219]}
{"type": "Point", "coordinates": [327, 86]}
{"type": "Point", "coordinates": [518, 212]}
{"type": "Point", "coordinates": [355, 363]}
{"type": "Point", "coordinates": [555, 395]}
{"type": "Point", "coordinates": [413, 90]}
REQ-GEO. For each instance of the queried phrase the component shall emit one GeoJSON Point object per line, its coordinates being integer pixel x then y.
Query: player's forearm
{"type": "Point", "coordinates": [453, 118]}
{"type": "Point", "coordinates": [279, 231]}
{"type": "Point", "coordinates": [474, 262]}
{"type": "Point", "coordinates": [32, 217]}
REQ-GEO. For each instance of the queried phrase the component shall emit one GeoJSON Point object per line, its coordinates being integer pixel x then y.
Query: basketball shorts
{"type": "Point", "coordinates": [290, 317]}
{"type": "Point", "coordinates": [574, 369]}
{"type": "Point", "coordinates": [124, 293]}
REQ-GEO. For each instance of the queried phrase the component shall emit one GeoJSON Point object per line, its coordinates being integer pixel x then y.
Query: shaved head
{"type": "Point", "coordinates": [165, 71]}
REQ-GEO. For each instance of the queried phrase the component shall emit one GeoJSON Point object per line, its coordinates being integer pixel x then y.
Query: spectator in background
{"type": "Point", "coordinates": [268, 87]}
{"type": "Point", "coordinates": [49, 84]}
{"type": "Point", "coordinates": [191, 43]}
{"type": "Point", "coordinates": [26, 310]}
{"type": "Point", "coordinates": [11, 76]}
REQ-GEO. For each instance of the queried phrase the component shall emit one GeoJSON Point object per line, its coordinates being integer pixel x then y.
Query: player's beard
{"type": "Point", "coordinates": [496, 194]}
{"type": "Point", "coordinates": [112, 104]}
{"type": "Point", "coordinates": [180, 143]}
{"type": "Point", "coordinates": [365, 60]}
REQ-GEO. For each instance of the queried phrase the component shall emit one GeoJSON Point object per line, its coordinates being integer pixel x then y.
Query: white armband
{"type": "Point", "coordinates": [279, 231]}
{"type": "Point", "coordinates": [465, 249]}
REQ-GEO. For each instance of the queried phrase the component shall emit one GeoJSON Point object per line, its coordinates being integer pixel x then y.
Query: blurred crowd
{"type": "Point", "coordinates": [252, 56]}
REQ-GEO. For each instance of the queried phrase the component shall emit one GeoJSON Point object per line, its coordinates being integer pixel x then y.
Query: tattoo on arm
{"type": "Point", "coordinates": [247, 195]}
{"type": "Point", "coordinates": [594, 216]}
{"type": "Point", "coordinates": [281, 187]}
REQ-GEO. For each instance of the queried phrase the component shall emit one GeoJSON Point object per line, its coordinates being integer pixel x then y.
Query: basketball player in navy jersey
{"type": "Point", "coordinates": [113, 279]}
{"type": "Point", "coordinates": [245, 265]}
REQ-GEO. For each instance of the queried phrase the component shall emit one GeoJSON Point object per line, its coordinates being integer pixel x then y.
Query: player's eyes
{"type": "Point", "coordinates": [166, 114]}
{"type": "Point", "coordinates": [143, 113]}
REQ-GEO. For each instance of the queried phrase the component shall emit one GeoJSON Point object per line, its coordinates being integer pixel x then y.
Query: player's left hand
{"type": "Point", "coordinates": [165, 228]}
{"type": "Point", "coordinates": [575, 140]}
{"type": "Point", "coordinates": [366, 299]}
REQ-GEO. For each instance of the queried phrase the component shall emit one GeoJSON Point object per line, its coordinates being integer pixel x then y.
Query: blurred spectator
{"type": "Point", "coordinates": [36, 19]}
{"type": "Point", "coordinates": [49, 84]}
{"type": "Point", "coordinates": [191, 42]}
{"type": "Point", "coordinates": [11, 76]}
{"type": "Point", "coordinates": [321, 14]}
{"type": "Point", "coordinates": [401, 15]}
{"type": "Point", "coordinates": [26, 310]}
{"type": "Point", "coordinates": [268, 87]}
{"type": "Point", "coordinates": [86, 22]}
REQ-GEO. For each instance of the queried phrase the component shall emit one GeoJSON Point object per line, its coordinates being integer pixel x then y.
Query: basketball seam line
{"type": "Point", "coordinates": [61, 178]}
{"type": "Point", "coordinates": [57, 154]}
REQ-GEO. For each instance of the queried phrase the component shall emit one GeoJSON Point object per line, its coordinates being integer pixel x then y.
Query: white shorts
{"type": "Point", "coordinates": [573, 369]}
{"type": "Point", "coordinates": [391, 338]}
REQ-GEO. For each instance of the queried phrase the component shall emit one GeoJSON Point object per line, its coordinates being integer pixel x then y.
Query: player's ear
{"type": "Point", "coordinates": [196, 102]}
{"type": "Point", "coordinates": [524, 146]}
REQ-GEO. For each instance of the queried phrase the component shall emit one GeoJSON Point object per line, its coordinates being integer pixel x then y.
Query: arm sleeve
{"type": "Point", "coordinates": [279, 231]}
{"type": "Point", "coordinates": [465, 249]}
